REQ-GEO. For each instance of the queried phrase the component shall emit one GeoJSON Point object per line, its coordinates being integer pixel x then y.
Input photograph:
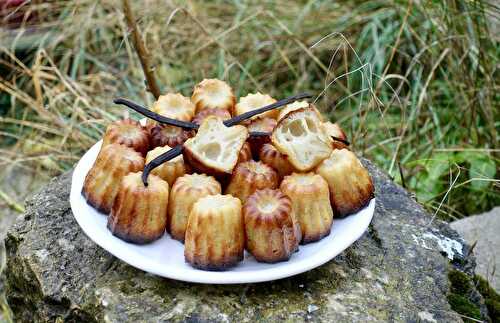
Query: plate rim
{"type": "Point", "coordinates": [205, 277]}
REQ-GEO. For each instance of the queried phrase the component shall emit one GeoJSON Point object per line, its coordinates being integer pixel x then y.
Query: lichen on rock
{"type": "Point", "coordinates": [54, 272]}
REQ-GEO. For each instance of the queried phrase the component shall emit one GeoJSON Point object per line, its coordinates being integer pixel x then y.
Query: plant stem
{"type": "Point", "coordinates": [11, 203]}
{"type": "Point", "coordinates": [141, 50]}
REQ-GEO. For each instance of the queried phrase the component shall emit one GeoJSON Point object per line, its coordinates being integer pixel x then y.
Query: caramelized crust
{"type": "Point", "coordinates": [102, 181]}
{"type": "Point", "coordinates": [185, 192]}
{"type": "Point", "coordinates": [175, 106]}
{"type": "Point", "coordinates": [215, 234]}
{"type": "Point", "coordinates": [351, 186]}
{"type": "Point", "coordinates": [260, 125]}
{"type": "Point", "coordinates": [249, 177]}
{"type": "Point", "coordinates": [213, 93]}
{"type": "Point", "coordinates": [215, 148]}
{"type": "Point", "coordinates": [204, 113]}
{"type": "Point", "coordinates": [139, 213]}
{"type": "Point", "coordinates": [166, 135]}
{"type": "Point", "coordinates": [245, 153]}
{"type": "Point", "coordinates": [170, 170]}
{"type": "Point", "coordinates": [272, 232]}
{"type": "Point", "coordinates": [334, 130]}
{"type": "Point", "coordinates": [298, 105]}
{"type": "Point", "coordinates": [129, 133]}
{"type": "Point", "coordinates": [254, 101]}
{"type": "Point", "coordinates": [310, 204]}
{"type": "Point", "coordinates": [301, 136]}
{"type": "Point", "coordinates": [278, 161]}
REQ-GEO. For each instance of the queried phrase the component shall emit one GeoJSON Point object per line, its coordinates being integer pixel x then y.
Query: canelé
{"type": "Point", "coordinates": [139, 213]}
{"type": "Point", "coordinates": [215, 236]}
{"type": "Point", "coordinates": [350, 184]}
{"type": "Point", "coordinates": [272, 232]}
{"type": "Point", "coordinates": [102, 181]}
{"type": "Point", "coordinates": [310, 204]}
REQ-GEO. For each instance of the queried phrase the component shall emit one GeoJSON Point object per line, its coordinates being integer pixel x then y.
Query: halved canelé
{"type": "Point", "coordinates": [249, 177]}
{"type": "Point", "coordinates": [102, 181]}
{"type": "Point", "coordinates": [296, 106]}
{"type": "Point", "coordinates": [334, 131]}
{"type": "Point", "coordinates": [129, 133]}
{"type": "Point", "coordinates": [184, 193]}
{"type": "Point", "coordinates": [351, 187]}
{"type": "Point", "coordinates": [269, 155]}
{"type": "Point", "coordinates": [139, 213]}
{"type": "Point", "coordinates": [310, 204]}
{"type": "Point", "coordinates": [215, 234]}
{"type": "Point", "coordinates": [271, 230]}
{"type": "Point", "coordinates": [213, 94]}
{"type": "Point", "coordinates": [215, 148]}
{"type": "Point", "coordinates": [167, 135]}
{"type": "Point", "coordinates": [169, 170]}
{"type": "Point", "coordinates": [262, 125]}
{"type": "Point", "coordinates": [254, 101]}
{"type": "Point", "coordinates": [300, 135]}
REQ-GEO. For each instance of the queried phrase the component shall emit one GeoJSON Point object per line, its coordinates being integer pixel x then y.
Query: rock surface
{"type": "Point", "coordinates": [484, 231]}
{"type": "Point", "coordinates": [396, 272]}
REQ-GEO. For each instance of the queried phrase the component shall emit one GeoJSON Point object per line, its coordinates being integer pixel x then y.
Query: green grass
{"type": "Point", "coordinates": [413, 83]}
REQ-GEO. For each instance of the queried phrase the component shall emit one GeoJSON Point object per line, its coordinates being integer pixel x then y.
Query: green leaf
{"type": "Point", "coordinates": [483, 167]}
{"type": "Point", "coordinates": [438, 165]}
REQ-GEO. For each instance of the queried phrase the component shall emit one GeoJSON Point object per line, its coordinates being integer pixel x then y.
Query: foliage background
{"type": "Point", "coordinates": [414, 83]}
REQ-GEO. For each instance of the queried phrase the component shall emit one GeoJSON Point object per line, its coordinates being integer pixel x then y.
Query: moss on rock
{"type": "Point", "coordinates": [463, 306]}
{"type": "Point", "coordinates": [491, 298]}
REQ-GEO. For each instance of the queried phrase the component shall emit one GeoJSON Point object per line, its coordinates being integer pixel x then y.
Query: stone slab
{"type": "Point", "coordinates": [396, 272]}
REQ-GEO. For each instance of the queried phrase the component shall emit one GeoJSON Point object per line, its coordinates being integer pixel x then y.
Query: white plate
{"type": "Point", "coordinates": [165, 257]}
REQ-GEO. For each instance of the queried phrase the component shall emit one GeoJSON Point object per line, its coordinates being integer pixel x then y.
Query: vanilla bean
{"type": "Point", "coordinates": [155, 116]}
{"type": "Point", "coordinates": [277, 104]}
{"type": "Point", "coordinates": [345, 142]}
{"type": "Point", "coordinates": [258, 134]}
{"type": "Point", "coordinates": [171, 154]}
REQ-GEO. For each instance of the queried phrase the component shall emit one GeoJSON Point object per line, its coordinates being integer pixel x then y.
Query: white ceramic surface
{"type": "Point", "coordinates": [165, 257]}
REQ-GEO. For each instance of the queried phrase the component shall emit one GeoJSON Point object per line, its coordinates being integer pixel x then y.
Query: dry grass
{"type": "Point", "coordinates": [414, 86]}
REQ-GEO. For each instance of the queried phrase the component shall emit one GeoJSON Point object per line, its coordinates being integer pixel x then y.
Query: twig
{"type": "Point", "coordinates": [141, 50]}
{"type": "Point", "coordinates": [11, 203]}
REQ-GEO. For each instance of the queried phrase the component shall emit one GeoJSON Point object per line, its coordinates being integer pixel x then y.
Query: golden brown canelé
{"type": "Point", "coordinates": [213, 93]}
{"type": "Point", "coordinates": [263, 125]}
{"type": "Point", "coordinates": [254, 101]}
{"type": "Point", "coordinates": [139, 213]}
{"type": "Point", "coordinates": [334, 131]}
{"type": "Point", "coordinates": [269, 155]}
{"type": "Point", "coordinates": [249, 177]}
{"type": "Point", "coordinates": [215, 234]}
{"type": "Point", "coordinates": [169, 170]}
{"type": "Point", "coordinates": [272, 232]}
{"type": "Point", "coordinates": [185, 192]}
{"type": "Point", "coordinates": [102, 181]}
{"type": "Point", "coordinates": [175, 106]}
{"type": "Point", "coordinates": [350, 184]}
{"type": "Point", "coordinates": [166, 135]}
{"type": "Point", "coordinates": [204, 113]}
{"type": "Point", "coordinates": [310, 204]}
{"type": "Point", "coordinates": [129, 133]}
